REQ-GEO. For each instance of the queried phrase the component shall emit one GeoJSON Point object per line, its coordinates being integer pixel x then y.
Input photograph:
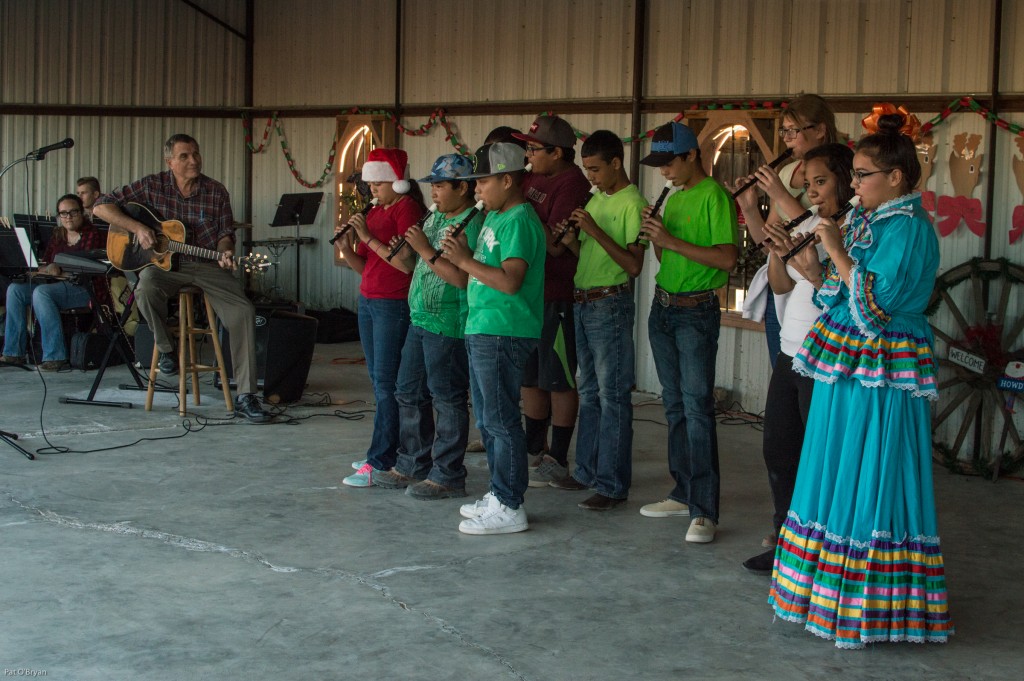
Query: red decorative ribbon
{"type": "Point", "coordinates": [1018, 224]}
{"type": "Point", "coordinates": [928, 201]}
{"type": "Point", "coordinates": [911, 127]}
{"type": "Point", "coordinates": [954, 209]}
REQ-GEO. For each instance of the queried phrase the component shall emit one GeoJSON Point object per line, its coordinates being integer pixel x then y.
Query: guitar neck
{"type": "Point", "coordinates": [194, 251]}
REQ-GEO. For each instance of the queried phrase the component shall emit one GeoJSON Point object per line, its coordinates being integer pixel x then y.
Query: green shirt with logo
{"type": "Point", "coordinates": [514, 233]}
{"type": "Point", "coordinates": [434, 304]}
{"type": "Point", "coordinates": [704, 215]}
{"type": "Point", "coordinates": [619, 216]}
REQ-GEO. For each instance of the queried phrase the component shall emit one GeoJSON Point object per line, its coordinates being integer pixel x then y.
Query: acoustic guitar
{"type": "Point", "coordinates": [125, 253]}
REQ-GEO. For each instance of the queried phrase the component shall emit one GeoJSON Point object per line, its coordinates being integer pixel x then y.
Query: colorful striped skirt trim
{"type": "Point", "coordinates": [852, 593]}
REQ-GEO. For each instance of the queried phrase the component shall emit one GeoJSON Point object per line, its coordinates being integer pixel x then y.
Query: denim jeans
{"type": "Point", "coordinates": [684, 342]}
{"type": "Point", "coordinates": [605, 351]}
{"type": "Point", "coordinates": [434, 375]}
{"type": "Point", "coordinates": [383, 324]}
{"type": "Point", "coordinates": [47, 301]}
{"type": "Point", "coordinates": [496, 372]}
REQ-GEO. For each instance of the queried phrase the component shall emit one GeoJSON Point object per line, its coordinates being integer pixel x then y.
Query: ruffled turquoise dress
{"type": "Point", "coordinates": [858, 558]}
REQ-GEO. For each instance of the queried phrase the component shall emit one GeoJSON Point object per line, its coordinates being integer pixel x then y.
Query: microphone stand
{"type": "Point", "coordinates": [10, 438]}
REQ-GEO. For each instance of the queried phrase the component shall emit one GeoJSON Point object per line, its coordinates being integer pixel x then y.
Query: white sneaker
{"type": "Point", "coordinates": [475, 509]}
{"type": "Point", "coordinates": [664, 509]}
{"type": "Point", "coordinates": [702, 531]}
{"type": "Point", "coordinates": [497, 518]}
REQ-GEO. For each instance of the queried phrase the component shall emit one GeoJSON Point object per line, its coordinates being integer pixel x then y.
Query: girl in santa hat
{"type": "Point", "coordinates": [383, 296]}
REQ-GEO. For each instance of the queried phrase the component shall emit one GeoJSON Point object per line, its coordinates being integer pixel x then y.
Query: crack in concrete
{"type": "Point", "coordinates": [125, 529]}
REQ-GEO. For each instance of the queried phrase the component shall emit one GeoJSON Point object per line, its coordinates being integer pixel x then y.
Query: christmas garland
{"type": "Point", "coordinates": [438, 116]}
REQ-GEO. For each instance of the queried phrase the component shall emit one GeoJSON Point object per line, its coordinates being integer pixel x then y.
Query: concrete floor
{"type": "Point", "coordinates": [235, 553]}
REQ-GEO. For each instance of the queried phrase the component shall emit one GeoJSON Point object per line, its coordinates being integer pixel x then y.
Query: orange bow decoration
{"type": "Point", "coordinates": [911, 127]}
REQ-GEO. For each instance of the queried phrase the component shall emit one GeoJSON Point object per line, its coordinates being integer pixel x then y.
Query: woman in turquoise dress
{"type": "Point", "coordinates": [858, 558]}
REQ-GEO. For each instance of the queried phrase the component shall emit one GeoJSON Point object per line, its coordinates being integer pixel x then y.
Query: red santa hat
{"type": "Point", "coordinates": [388, 165]}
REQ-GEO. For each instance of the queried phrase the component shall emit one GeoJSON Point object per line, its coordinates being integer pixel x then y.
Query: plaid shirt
{"type": "Point", "coordinates": [92, 239]}
{"type": "Point", "coordinates": [206, 214]}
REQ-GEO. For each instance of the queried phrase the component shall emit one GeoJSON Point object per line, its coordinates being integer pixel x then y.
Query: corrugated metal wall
{"type": "Point", "coordinates": [158, 53]}
{"type": "Point", "coordinates": [313, 53]}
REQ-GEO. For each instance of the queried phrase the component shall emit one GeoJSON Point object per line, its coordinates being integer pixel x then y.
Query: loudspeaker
{"type": "Point", "coordinates": [284, 352]}
{"type": "Point", "coordinates": [143, 344]}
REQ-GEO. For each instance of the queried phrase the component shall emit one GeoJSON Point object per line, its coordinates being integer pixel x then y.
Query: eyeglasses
{"type": "Point", "coordinates": [69, 213]}
{"type": "Point", "coordinates": [859, 175]}
{"type": "Point", "coordinates": [793, 132]}
{"type": "Point", "coordinates": [530, 151]}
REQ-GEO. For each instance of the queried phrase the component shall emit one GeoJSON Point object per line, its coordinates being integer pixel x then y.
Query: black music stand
{"type": "Point", "coordinates": [39, 229]}
{"type": "Point", "coordinates": [296, 210]}
{"type": "Point", "coordinates": [113, 327]}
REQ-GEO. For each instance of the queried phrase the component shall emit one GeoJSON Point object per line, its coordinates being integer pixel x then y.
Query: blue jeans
{"type": "Point", "coordinates": [47, 301]}
{"type": "Point", "coordinates": [684, 342]}
{"type": "Point", "coordinates": [434, 375]}
{"type": "Point", "coordinates": [496, 371]}
{"type": "Point", "coordinates": [383, 324]}
{"type": "Point", "coordinates": [604, 437]}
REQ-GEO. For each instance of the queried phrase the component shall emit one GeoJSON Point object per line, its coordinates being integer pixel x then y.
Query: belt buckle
{"type": "Point", "coordinates": [661, 295]}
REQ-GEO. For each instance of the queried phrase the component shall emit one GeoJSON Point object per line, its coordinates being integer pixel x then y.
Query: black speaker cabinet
{"type": "Point", "coordinates": [143, 344]}
{"type": "Point", "coordinates": [284, 352]}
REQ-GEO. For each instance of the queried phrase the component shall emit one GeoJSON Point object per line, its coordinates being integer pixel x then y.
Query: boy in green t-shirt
{"type": "Point", "coordinates": [506, 306]}
{"type": "Point", "coordinates": [434, 372]}
{"type": "Point", "coordinates": [609, 257]}
{"type": "Point", "coordinates": [696, 245]}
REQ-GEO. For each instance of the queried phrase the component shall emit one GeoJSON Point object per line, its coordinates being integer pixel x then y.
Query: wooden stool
{"type": "Point", "coordinates": [188, 358]}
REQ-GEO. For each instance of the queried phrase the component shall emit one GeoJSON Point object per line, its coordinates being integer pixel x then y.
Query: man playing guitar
{"type": "Point", "coordinates": [202, 204]}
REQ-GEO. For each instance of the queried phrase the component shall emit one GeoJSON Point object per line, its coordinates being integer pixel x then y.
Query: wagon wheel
{"type": "Point", "coordinates": [977, 427]}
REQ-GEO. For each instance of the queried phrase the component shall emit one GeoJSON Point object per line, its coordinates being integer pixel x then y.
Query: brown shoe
{"type": "Point", "coordinates": [600, 502]}
{"type": "Point", "coordinates": [429, 490]}
{"type": "Point", "coordinates": [392, 479]}
{"type": "Point", "coordinates": [568, 482]}
{"type": "Point", "coordinates": [55, 365]}
{"type": "Point", "coordinates": [9, 359]}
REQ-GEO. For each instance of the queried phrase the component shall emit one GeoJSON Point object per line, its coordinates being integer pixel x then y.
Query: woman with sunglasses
{"type": "Point", "coordinates": [858, 557]}
{"type": "Point", "coordinates": [48, 296]}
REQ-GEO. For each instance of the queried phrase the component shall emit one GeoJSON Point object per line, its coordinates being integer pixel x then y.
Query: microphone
{"type": "Point", "coordinates": [419, 223]}
{"type": "Point", "coordinates": [571, 223]}
{"type": "Point", "coordinates": [40, 153]}
{"type": "Point", "coordinates": [348, 225]}
{"type": "Point", "coordinates": [460, 228]}
{"type": "Point", "coordinates": [809, 239]}
{"type": "Point", "coordinates": [782, 157]}
{"type": "Point", "coordinates": [789, 226]}
{"type": "Point", "coordinates": [657, 207]}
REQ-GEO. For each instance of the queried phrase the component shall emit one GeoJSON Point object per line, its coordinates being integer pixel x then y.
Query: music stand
{"type": "Point", "coordinates": [295, 210]}
{"type": "Point", "coordinates": [39, 229]}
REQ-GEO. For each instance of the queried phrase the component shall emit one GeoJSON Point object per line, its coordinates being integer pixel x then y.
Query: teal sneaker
{"type": "Point", "coordinates": [356, 465]}
{"type": "Point", "coordinates": [361, 478]}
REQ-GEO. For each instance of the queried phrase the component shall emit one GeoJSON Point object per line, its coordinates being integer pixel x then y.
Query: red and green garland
{"type": "Point", "coordinates": [439, 116]}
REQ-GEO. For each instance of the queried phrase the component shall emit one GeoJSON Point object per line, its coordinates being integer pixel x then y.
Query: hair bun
{"type": "Point", "coordinates": [891, 123]}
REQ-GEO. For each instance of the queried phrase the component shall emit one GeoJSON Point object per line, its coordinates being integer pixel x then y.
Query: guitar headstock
{"type": "Point", "coordinates": [254, 263]}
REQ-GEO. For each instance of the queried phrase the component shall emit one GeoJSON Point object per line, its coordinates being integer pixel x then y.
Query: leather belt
{"type": "Point", "coordinates": [591, 294]}
{"type": "Point", "coordinates": [666, 299]}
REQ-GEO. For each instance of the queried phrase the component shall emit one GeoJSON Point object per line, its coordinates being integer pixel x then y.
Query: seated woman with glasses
{"type": "Point", "coordinates": [49, 294]}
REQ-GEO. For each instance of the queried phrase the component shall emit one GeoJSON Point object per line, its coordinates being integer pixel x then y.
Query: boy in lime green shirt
{"type": "Point", "coordinates": [609, 257]}
{"type": "Point", "coordinates": [506, 303]}
{"type": "Point", "coordinates": [696, 245]}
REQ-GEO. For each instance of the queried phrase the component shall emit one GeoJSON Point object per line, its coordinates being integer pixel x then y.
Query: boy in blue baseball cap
{"type": "Point", "coordinates": [695, 244]}
{"type": "Point", "coordinates": [434, 372]}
